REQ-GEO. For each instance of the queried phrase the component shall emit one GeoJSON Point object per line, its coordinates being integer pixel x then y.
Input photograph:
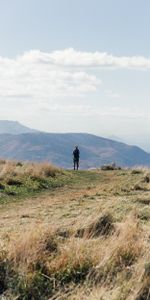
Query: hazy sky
{"type": "Point", "coordinates": [77, 66]}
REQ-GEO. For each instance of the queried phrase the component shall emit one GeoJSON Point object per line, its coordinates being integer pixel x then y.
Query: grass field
{"type": "Point", "coordinates": [74, 235]}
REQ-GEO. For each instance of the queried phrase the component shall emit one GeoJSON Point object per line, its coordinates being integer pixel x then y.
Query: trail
{"type": "Point", "coordinates": [60, 206]}
{"type": "Point", "coordinates": [66, 205]}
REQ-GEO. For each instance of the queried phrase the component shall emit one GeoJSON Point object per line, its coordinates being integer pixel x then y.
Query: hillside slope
{"type": "Point", "coordinates": [14, 127]}
{"type": "Point", "coordinates": [78, 236]}
{"type": "Point", "coordinates": [57, 148]}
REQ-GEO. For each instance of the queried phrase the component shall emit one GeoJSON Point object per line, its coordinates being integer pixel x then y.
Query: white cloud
{"type": "Point", "coordinates": [63, 73]}
{"type": "Point", "coordinates": [25, 76]}
{"type": "Point", "coordinates": [72, 58]}
{"type": "Point", "coordinates": [35, 81]}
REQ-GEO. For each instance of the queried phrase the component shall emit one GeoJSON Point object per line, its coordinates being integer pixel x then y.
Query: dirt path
{"type": "Point", "coordinates": [59, 207]}
{"type": "Point", "coordinates": [65, 206]}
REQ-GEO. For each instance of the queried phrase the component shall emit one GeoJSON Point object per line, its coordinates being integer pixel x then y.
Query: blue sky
{"type": "Point", "coordinates": [77, 66]}
{"type": "Point", "coordinates": [115, 26]}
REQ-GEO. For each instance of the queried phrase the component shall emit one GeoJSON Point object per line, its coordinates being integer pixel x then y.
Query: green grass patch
{"type": "Point", "coordinates": [15, 189]}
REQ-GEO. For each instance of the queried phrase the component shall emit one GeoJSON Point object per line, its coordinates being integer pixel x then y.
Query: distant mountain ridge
{"type": "Point", "coordinates": [57, 148]}
{"type": "Point", "coordinates": [14, 127]}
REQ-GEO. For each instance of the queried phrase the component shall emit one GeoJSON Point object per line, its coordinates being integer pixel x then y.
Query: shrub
{"type": "Point", "coordinates": [144, 201]}
{"type": "Point", "coordinates": [2, 187]}
{"type": "Point", "coordinates": [5, 272]}
{"type": "Point", "coordinates": [136, 171]}
{"type": "Point", "coordinates": [110, 167]}
{"type": "Point", "coordinates": [124, 249]}
{"type": "Point", "coordinates": [100, 226]}
{"type": "Point", "coordinates": [144, 292]}
{"type": "Point", "coordinates": [146, 179]}
{"type": "Point", "coordinates": [11, 181]}
{"type": "Point", "coordinates": [41, 170]}
{"type": "Point", "coordinates": [138, 187]}
{"type": "Point", "coordinates": [32, 286]}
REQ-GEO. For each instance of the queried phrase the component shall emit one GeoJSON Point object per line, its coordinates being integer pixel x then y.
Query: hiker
{"type": "Point", "coordinates": [76, 156]}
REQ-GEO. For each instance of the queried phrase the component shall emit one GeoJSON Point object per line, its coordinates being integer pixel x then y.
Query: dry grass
{"type": "Point", "coordinates": [35, 245]}
{"type": "Point", "coordinates": [144, 182]}
{"type": "Point", "coordinates": [122, 252]}
{"type": "Point", "coordinates": [41, 170]}
{"type": "Point", "coordinates": [76, 261]}
{"type": "Point", "coordinates": [8, 168]}
{"type": "Point", "coordinates": [67, 246]}
{"type": "Point", "coordinates": [37, 170]}
{"type": "Point", "coordinates": [100, 226]}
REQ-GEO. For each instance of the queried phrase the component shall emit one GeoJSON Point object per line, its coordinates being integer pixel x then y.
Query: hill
{"type": "Point", "coordinates": [13, 127]}
{"type": "Point", "coordinates": [57, 148]}
{"type": "Point", "coordinates": [73, 235]}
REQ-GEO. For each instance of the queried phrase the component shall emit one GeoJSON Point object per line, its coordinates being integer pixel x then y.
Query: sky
{"type": "Point", "coordinates": [77, 66]}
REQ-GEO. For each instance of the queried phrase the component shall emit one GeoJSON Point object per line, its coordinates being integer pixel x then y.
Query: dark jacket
{"type": "Point", "coordinates": [76, 154]}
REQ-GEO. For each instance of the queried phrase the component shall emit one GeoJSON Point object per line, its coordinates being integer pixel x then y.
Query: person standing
{"type": "Point", "coordinates": [76, 157]}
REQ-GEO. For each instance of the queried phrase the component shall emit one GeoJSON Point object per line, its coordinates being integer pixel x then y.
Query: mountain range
{"type": "Point", "coordinates": [23, 143]}
{"type": "Point", "coordinates": [14, 127]}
